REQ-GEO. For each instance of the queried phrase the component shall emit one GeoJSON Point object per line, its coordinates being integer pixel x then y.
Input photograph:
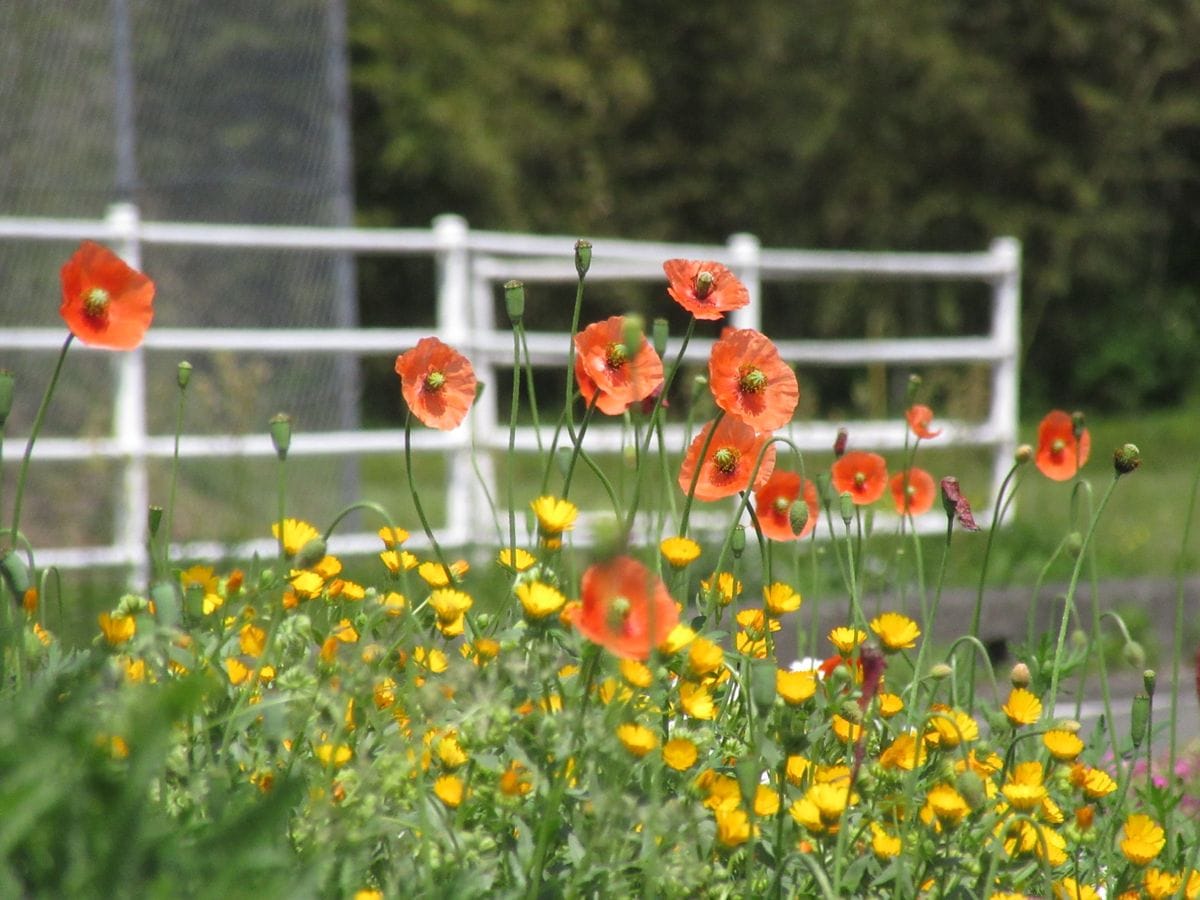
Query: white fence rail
{"type": "Point", "coordinates": [469, 265]}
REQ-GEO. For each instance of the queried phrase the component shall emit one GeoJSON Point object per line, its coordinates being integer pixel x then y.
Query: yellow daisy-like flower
{"type": "Point", "coordinates": [756, 621]}
{"type": "Point", "coordinates": [678, 638]}
{"type": "Point", "coordinates": [636, 673]}
{"type": "Point", "coordinates": [696, 701]}
{"type": "Point", "coordinates": [205, 579]}
{"type": "Point", "coordinates": [449, 605]}
{"type": "Point", "coordinates": [884, 845]}
{"type": "Point", "coordinates": [821, 807]}
{"type": "Point", "coordinates": [306, 583]}
{"type": "Point", "coordinates": [252, 640]}
{"type": "Point", "coordinates": [333, 755]}
{"type": "Point", "coordinates": [450, 753]}
{"type": "Point", "coordinates": [895, 631]}
{"type": "Point", "coordinates": [1063, 745]}
{"type": "Point", "coordinates": [384, 693]}
{"type": "Point", "coordinates": [538, 600]}
{"type": "Point", "coordinates": [733, 827]}
{"type": "Point", "coordinates": [237, 670]}
{"type": "Point", "coordinates": [705, 657]}
{"type": "Point", "coordinates": [846, 730]}
{"type": "Point", "coordinates": [727, 587]}
{"type": "Point", "coordinates": [795, 687]}
{"type": "Point", "coordinates": [1024, 797]}
{"type": "Point", "coordinates": [514, 781]}
{"type": "Point", "coordinates": [945, 805]}
{"type": "Point", "coordinates": [1096, 783]}
{"type": "Point", "coordinates": [680, 754]}
{"type": "Point", "coordinates": [434, 573]}
{"type": "Point", "coordinates": [392, 537]}
{"type": "Point", "coordinates": [950, 727]}
{"type": "Point", "coordinates": [393, 603]}
{"type": "Point", "coordinates": [679, 552]}
{"type": "Point", "coordinates": [796, 768]}
{"type": "Point", "coordinates": [135, 669]}
{"type": "Point", "coordinates": [449, 789]}
{"type": "Point", "coordinates": [1023, 707]}
{"type": "Point", "coordinates": [637, 739]}
{"type": "Point", "coordinates": [904, 752]}
{"type": "Point", "coordinates": [296, 533]}
{"type": "Point", "coordinates": [432, 660]}
{"type": "Point", "coordinates": [368, 894]}
{"type": "Point", "coordinates": [117, 629]}
{"type": "Point", "coordinates": [766, 801]}
{"type": "Point", "coordinates": [398, 561]}
{"type": "Point", "coordinates": [1143, 839]}
{"type": "Point", "coordinates": [524, 560]}
{"type": "Point", "coordinates": [1160, 885]}
{"type": "Point", "coordinates": [345, 632]}
{"type": "Point", "coordinates": [846, 639]}
{"type": "Point", "coordinates": [1070, 889]}
{"type": "Point", "coordinates": [554, 515]}
{"type": "Point", "coordinates": [889, 704]}
{"type": "Point", "coordinates": [327, 567]}
{"type": "Point", "coordinates": [721, 791]}
{"type": "Point", "coordinates": [781, 598]}
{"type": "Point", "coordinates": [747, 644]}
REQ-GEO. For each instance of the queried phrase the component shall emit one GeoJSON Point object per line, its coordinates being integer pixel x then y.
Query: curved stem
{"type": "Point", "coordinates": [412, 486]}
{"type": "Point", "coordinates": [577, 449]}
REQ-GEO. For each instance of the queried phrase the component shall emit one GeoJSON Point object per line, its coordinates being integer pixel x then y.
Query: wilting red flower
{"type": "Point", "coordinates": [919, 416]}
{"type": "Point", "coordinates": [863, 475]}
{"type": "Point", "coordinates": [707, 290]}
{"type": "Point", "coordinates": [773, 505]}
{"type": "Point", "coordinates": [611, 372]}
{"type": "Point", "coordinates": [839, 443]}
{"type": "Point", "coordinates": [750, 381]}
{"type": "Point", "coordinates": [624, 608]}
{"type": "Point", "coordinates": [956, 504]}
{"type": "Point", "coordinates": [438, 383]}
{"type": "Point", "coordinates": [729, 461]}
{"type": "Point", "coordinates": [105, 303]}
{"type": "Point", "coordinates": [913, 491]}
{"type": "Point", "coordinates": [1059, 454]}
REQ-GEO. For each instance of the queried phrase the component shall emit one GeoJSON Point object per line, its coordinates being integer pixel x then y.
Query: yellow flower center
{"type": "Point", "coordinates": [616, 355]}
{"type": "Point", "coordinates": [782, 505]}
{"type": "Point", "coordinates": [618, 611]}
{"type": "Point", "coordinates": [1058, 446]}
{"type": "Point", "coordinates": [752, 380]}
{"type": "Point", "coordinates": [434, 381]}
{"type": "Point", "coordinates": [95, 302]}
{"type": "Point", "coordinates": [860, 478]}
{"type": "Point", "coordinates": [726, 459]}
{"type": "Point", "coordinates": [705, 282]}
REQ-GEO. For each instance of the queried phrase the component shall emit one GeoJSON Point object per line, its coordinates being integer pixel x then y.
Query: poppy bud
{"type": "Point", "coordinates": [1019, 676]}
{"type": "Point", "coordinates": [166, 603]}
{"type": "Point", "coordinates": [1079, 637]}
{"type": "Point", "coordinates": [583, 257]}
{"type": "Point", "coordinates": [183, 374]}
{"type": "Point", "coordinates": [940, 671]}
{"type": "Point", "coordinates": [1074, 544]}
{"type": "Point", "coordinates": [737, 541]}
{"type": "Point", "coordinates": [1134, 654]}
{"type": "Point", "coordinates": [514, 301]}
{"type": "Point", "coordinates": [154, 519]}
{"type": "Point", "coordinates": [851, 712]}
{"type": "Point", "coordinates": [798, 516]}
{"type": "Point", "coordinates": [310, 554]}
{"type": "Point", "coordinates": [1023, 454]}
{"type": "Point", "coordinates": [971, 786]}
{"type": "Point", "coordinates": [1139, 719]}
{"type": "Point", "coordinates": [1149, 681]}
{"type": "Point", "coordinates": [1126, 458]}
{"type": "Point", "coordinates": [281, 434]}
{"type": "Point", "coordinates": [839, 443]}
{"type": "Point", "coordinates": [633, 333]}
{"type": "Point", "coordinates": [762, 683]}
{"type": "Point", "coordinates": [846, 500]}
{"type": "Point", "coordinates": [7, 383]}
{"type": "Point", "coordinates": [1077, 424]}
{"type": "Point", "coordinates": [914, 385]}
{"type": "Point", "coordinates": [660, 331]}
{"type": "Point", "coordinates": [15, 572]}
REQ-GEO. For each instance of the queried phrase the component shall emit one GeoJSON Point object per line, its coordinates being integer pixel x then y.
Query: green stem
{"type": "Point", "coordinates": [514, 408]}
{"type": "Point", "coordinates": [533, 406]}
{"type": "Point", "coordinates": [700, 457]}
{"type": "Point", "coordinates": [420, 510]}
{"type": "Point", "coordinates": [169, 518]}
{"type": "Point", "coordinates": [1177, 642]}
{"type": "Point", "coordinates": [927, 638]}
{"type": "Point", "coordinates": [577, 449]}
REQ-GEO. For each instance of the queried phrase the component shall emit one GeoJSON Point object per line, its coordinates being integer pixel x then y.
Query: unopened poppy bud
{"type": "Point", "coordinates": [660, 330]}
{"type": "Point", "coordinates": [562, 458]}
{"type": "Point", "coordinates": [1134, 654]}
{"type": "Point", "coordinates": [737, 541]}
{"type": "Point", "coordinates": [851, 712]}
{"type": "Point", "coordinates": [846, 501]}
{"type": "Point", "coordinates": [7, 384]}
{"type": "Point", "coordinates": [633, 332]}
{"type": "Point", "coordinates": [1071, 725]}
{"type": "Point", "coordinates": [583, 257]}
{"type": "Point", "coordinates": [914, 385]}
{"type": "Point", "coordinates": [940, 671]}
{"type": "Point", "coordinates": [310, 554]}
{"type": "Point", "coordinates": [763, 682]}
{"type": "Point", "coordinates": [1019, 675]}
{"type": "Point", "coordinates": [970, 786]}
{"type": "Point", "coordinates": [1074, 544]}
{"type": "Point", "coordinates": [1149, 681]}
{"type": "Point", "coordinates": [166, 603]}
{"type": "Point", "coordinates": [154, 519]}
{"type": "Point", "coordinates": [16, 573]}
{"type": "Point", "coordinates": [1023, 454]}
{"type": "Point", "coordinates": [1139, 719]}
{"type": "Point", "coordinates": [798, 516]}
{"type": "Point", "coordinates": [1126, 458]}
{"type": "Point", "coordinates": [1077, 424]}
{"type": "Point", "coordinates": [183, 374]}
{"type": "Point", "coordinates": [514, 301]}
{"type": "Point", "coordinates": [839, 443]}
{"type": "Point", "coordinates": [1079, 639]}
{"type": "Point", "coordinates": [281, 434]}
{"type": "Point", "coordinates": [748, 775]}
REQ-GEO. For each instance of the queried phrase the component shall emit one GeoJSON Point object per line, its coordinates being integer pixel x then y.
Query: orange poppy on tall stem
{"type": "Point", "coordinates": [1059, 453]}
{"type": "Point", "coordinates": [614, 374]}
{"type": "Point", "coordinates": [861, 474]}
{"type": "Point", "coordinates": [437, 382]}
{"type": "Point", "coordinates": [750, 381]}
{"type": "Point", "coordinates": [105, 303]}
{"type": "Point", "coordinates": [913, 491]}
{"type": "Point", "coordinates": [707, 290]}
{"type": "Point", "coordinates": [774, 501]}
{"type": "Point", "coordinates": [919, 416]}
{"type": "Point", "coordinates": [625, 608]}
{"type": "Point", "coordinates": [728, 464]}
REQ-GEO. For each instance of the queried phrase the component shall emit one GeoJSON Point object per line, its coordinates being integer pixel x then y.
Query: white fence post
{"type": "Point", "coordinates": [1006, 330]}
{"type": "Point", "coordinates": [745, 251]}
{"type": "Point", "coordinates": [129, 414]}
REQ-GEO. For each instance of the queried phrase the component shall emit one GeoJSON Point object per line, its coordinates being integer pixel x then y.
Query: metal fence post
{"type": "Point", "coordinates": [745, 251]}
{"type": "Point", "coordinates": [129, 414]}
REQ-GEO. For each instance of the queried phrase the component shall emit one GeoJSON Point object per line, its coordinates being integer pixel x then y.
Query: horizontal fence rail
{"type": "Point", "coordinates": [470, 265]}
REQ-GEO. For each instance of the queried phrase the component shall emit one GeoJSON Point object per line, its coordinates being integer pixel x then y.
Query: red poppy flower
{"type": "Point", "coordinates": [750, 381]}
{"type": "Point", "coordinates": [1059, 454]}
{"type": "Point", "coordinates": [707, 290]}
{"type": "Point", "coordinates": [438, 383]}
{"type": "Point", "coordinates": [919, 416]}
{"type": "Point", "coordinates": [916, 495]}
{"type": "Point", "coordinates": [105, 303]}
{"type": "Point", "coordinates": [773, 505]}
{"type": "Point", "coordinates": [729, 462]}
{"type": "Point", "coordinates": [624, 608]}
{"type": "Point", "coordinates": [607, 370]}
{"type": "Point", "coordinates": [862, 474]}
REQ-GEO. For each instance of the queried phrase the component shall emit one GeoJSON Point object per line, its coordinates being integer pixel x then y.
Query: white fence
{"type": "Point", "coordinates": [470, 264]}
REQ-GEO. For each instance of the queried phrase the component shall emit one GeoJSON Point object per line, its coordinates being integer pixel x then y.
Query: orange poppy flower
{"type": "Point", "coordinates": [707, 290]}
{"type": "Point", "coordinates": [750, 381]}
{"type": "Point", "coordinates": [916, 495]}
{"type": "Point", "coordinates": [773, 505]}
{"type": "Point", "coordinates": [624, 608]}
{"type": "Point", "coordinates": [919, 416]}
{"type": "Point", "coordinates": [438, 383]}
{"type": "Point", "coordinates": [862, 474]}
{"type": "Point", "coordinates": [605, 365]}
{"type": "Point", "coordinates": [1059, 454]}
{"type": "Point", "coordinates": [729, 462]}
{"type": "Point", "coordinates": [105, 303]}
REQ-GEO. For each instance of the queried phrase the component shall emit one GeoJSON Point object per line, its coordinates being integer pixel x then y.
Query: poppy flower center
{"type": "Point", "coordinates": [751, 380]}
{"type": "Point", "coordinates": [782, 505]}
{"type": "Point", "coordinates": [618, 611]}
{"type": "Point", "coordinates": [705, 282]}
{"type": "Point", "coordinates": [726, 459]}
{"type": "Point", "coordinates": [95, 302]}
{"type": "Point", "coordinates": [860, 478]}
{"type": "Point", "coordinates": [616, 355]}
{"type": "Point", "coordinates": [434, 381]}
{"type": "Point", "coordinates": [1058, 446]}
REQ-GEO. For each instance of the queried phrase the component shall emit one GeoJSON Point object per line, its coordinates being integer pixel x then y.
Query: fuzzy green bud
{"type": "Point", "coordinates": [1139, 719]}
{"type": "Point", "coordinates": [846, 507]}
{"type": "Point", "coordinates": [310, 554]}
{"type": "Point", "coordinates": [514, 301]}
{"type": "Point", "coordinates": [166, 603]}
{"type": "Point", "coordinates": [633, 333]}
{"type": "Point", "coordinates": [851, 711]}
{"type": "Point", "coordinates": [1126, 458]}
{"type": "Point", "coordinates": [154, 519]}
{"type": "Point", "coordinates": [16, 573]}
{"type": "Point", "coordinates": [1077, 424]}
{"type": "Point", "coordinates": [914, 385]}
{"type": "Point", "coordinates": [1134, 654]}
{"type": "Point", "coordinates": [583, 257]}
{"type": "Point", "coordinates": [1150, 681]}
{"type": "Point", "coordinates": [798, 516]}
{"type": "Point", "coordinates": [660, 330]}
{"type": "Point", "coordinates": [183, 374]}
{"type": "Point", "coordinates": [762, 683]}
{"type": "Point", "coordinates": [281, 434]}
{"type": "Point", "coordinates": [972, 788]}
{"type": "Point", "coordinates": [7, 386]}
{"type": "Point", "coordinates": [1079, 639]}
{"type": "Point", "coordinates": [1074, 544]}
{"type": "Point", "coordinates": [940, 671]}
{"type": "Point", "coordinates": [737, 541]}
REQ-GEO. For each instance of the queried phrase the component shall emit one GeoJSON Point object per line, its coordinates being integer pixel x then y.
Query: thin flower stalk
{"type": "Point", "coordinates": [1177, 638]}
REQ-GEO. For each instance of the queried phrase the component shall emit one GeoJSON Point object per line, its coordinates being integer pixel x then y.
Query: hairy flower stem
{"type": "Point", "coordinates": [577, 449]}
{"type": "Point", "coordinates": [420, 510]}
{"type": "Point", "coordinates": [927, 638]}
{"type": "Point", "coordinates": [533, 406]}
{"type": "Point", "coordinates": [514, 408]}
{"type": "Point", "coordinates": [169, 517]}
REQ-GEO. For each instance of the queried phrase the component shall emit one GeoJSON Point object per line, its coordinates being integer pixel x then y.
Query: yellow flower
{"type": "Point", "coordinates": [696, 701]}
{"type": "Point", "coordinates": [889, 704]}
{"type": "Point", "coordinates": [1096, 783]}
{"type": "Point", "coordinates": [513, 781]}
{"type": "Point", "coordinates": [306, 583]}
{"type": "Point", "coordinates": [1070, 889]}
{"type": "Point", "coordinates": [821, 807]}
{"type": "Point", "coordinates": [1160, 885]}
{"type": "Point", "coordinates": [327, 567]}
{"type": "Point", "coordinates": [398, 561]}
{"type": "Point", "coordinates": [680, 754]}
{"type": "Point", "coordinates": [392, 536]}
{"type": "Point", "coordinates": [347, 590]}
{"type": "Point", "coordinates": [434, 573]}
{"type": "Point", "coordinates": [449, 789]}
{"type": "Point", "coordinates": [845, 729]}
{"type": "Point", "coordinates": [485, 649]}
{"type": "Point", "coordinates": [637, 739]}
{"type": "Point", "coordinates": [368, 894]}
{"type": "Point", "coordinates": [636, 673]}
{"type": "Point", "coordinates": [524, 559]}
{"type": "Point", "coordinates": [335, 756]}
{"type": "Point", "coordinates": [944, 804]}
{"type": "Point", "coordinates": [384, 693]}
{"type": "Point", "coordinates": [796, 768]}
{"type": "Point", "coordinates": [766, 801]}
{"type": "Point", "coordinates": [1022, 708]}
{"type": "Point", "coordinates": [721, 791]}
{"type": "Point", "coordinates": [296, 534]}
{"type": "Point", "coordinates": [1143, 840]}
{"type": "Point", "coordinates": [117, 629]}
{"type": "Point", "coordinates": [950, 727]}
{"type": "Point", "coordinates": [679, 551]}
{"type": "Point", "coordinates": [393, 603]}
{"type": "Point", "coordinates": [539, 600]}
{"type": "Point", "coordinates": [205, 579]}
{"type": "Point", "coordinates": [237, 670]}
{"type": "Point", "coordinates": [795, 687]}
{"type": "Point", "coordinates": [884, 845]}
{"type": "Point", "coordinates": [726, 586]}
{"type": "Point", "coordinates": [554, 515]}
{"type": "Point", "coordinates": [433, 659]}
{"type": "Point", "coordinates": [449, 605]}
{"type": "Point", "coordinates": [756, 622]}
{"type": "Point", "coordinates": [904, 752]}
{"type": "Point", "coordinates": [678, 638]}
{"type": "Point", "coordinates": [345, 632]}
{"type": "Point", "coordinates": [1024, 797]}
{"type": "Point", "coordinates": [733, 827]}
{"type": "Point", "coordinates": [895, 631]}
{"type": "Point", "coordinates": [780, 598]}
{"type": "Point", "coordinates": [1063, 745]}
{"type": "Point", "coordinates": [705, 657]}
{"type": "Point", "coordinates": [846, 639]}
{"type": "Point", "coordinates": [252, 640]}
{"type": "Point", "coordinates": [450, 752]}
{"type": "Point", "coordinates": [135, 669]}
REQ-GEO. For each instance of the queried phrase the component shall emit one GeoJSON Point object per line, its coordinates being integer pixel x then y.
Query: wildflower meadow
{"type": "Point", "coordinates": [651, 712]}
